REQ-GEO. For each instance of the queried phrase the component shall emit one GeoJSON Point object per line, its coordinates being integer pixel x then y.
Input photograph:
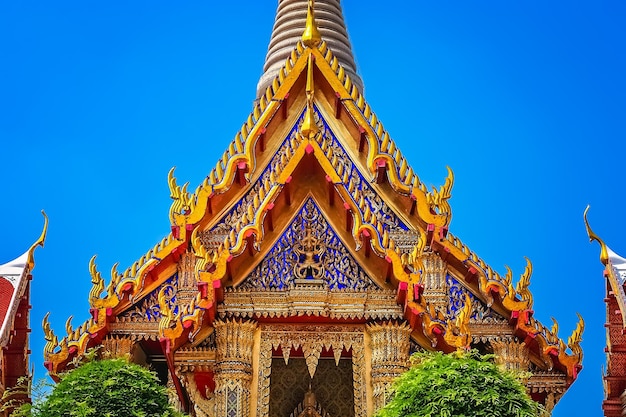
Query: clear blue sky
{"type": "Point", "coordinates": [524, 100]}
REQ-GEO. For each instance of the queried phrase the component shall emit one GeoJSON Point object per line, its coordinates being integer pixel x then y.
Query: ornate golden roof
{"type": "Point", "coordinates": [313, 136]}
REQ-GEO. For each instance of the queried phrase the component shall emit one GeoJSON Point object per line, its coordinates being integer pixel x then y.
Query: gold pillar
{"type": "Point", "coordinates": [390, 343]}
{"type": "Point", "coordinates": [436, 291]}
{"type": "Point", "coordinates": [233, 367]}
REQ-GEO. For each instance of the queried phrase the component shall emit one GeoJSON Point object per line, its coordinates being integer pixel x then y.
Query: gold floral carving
{"type": "Point", "coordinates": [312, 339]}
{"type": "Point", "coordinates": [118, 345]}
{"type": "Point", "coordinates": [187, 286]}
{"type": "Point", "coordinates": [511, 354]}
{"type": "Point", "coordinates": [313, 301]}
{"type": "Point", "coordinates": [135, 329]}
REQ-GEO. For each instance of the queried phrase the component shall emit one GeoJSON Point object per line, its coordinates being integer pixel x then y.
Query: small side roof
{"type": "Point", "coordinates": [13, 279]}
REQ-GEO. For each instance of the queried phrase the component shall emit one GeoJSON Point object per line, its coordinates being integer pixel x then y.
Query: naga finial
{"type": "Point", "coordinates": [203, 256]}
{"type": "Point", "coordinates": [68, 326]}
{"type": "Point", "coordinates": [554, 330]}
{"type": "Point", "coordinates": [115, 279]}
{"type": "Point", "coordinates": [97, 283]}
{"type": "Point", "coordinates": [438, 199]}
{"type": "Point", "coordinates": [182, 200]}
{"type": "Point", "coordinates": [524, 282]}
{"type": "Point", "coordinates": [311, 36]}
{"type": "Point", "coordinates": [604, 253]}
{"type": "Point", "coordinates": [458, 333]}
{"type": "Point", "coordinates": [38, 242]}
{"type": "Point", "coordinates": [573, 342]}
{"type": "Point", "coordinates": [51, 339]}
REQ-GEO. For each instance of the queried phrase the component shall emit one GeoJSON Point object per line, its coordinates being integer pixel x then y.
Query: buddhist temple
{"type": "Point", "coordinates": [300, 275]}
{"type": "Point", "coordinates": [614, 376]}
{"type": "Point", "coordinates": [15, 277]}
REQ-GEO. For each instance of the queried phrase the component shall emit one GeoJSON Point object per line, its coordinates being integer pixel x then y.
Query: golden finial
{"type": "Point", "coordinates": [38, 242]}
{"type": "Point", "coordinates": [311, 36]}
{"type": "Point", "coordinates": [573, 342]}
{"type": "Point", "coordinates": [604, 253]}
{"type": "Point", "coordinates": [554, 330]}
{"type": "Point", "coordinates": [51, 340]}
{"type": "Point", "coordinates": [97, 282]}
{"type": "Point", "coordinates": [309, 128]}
{"type": "Point", "coordinates": [68, 326]}
{"type": "Point", "coordinates": [524, 283]}
{"type": "Point", "coordinates": [438, 199]}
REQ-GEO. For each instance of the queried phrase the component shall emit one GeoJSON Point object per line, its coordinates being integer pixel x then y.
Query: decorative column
{"type": "Point", "coordinates": [436, 290]}
{"type": "Point", "coordinates": [390, 343]}
{"type": "Point", "coordinates": [233, 367]}
{"type": "Point", "coordinates": [511, 354]}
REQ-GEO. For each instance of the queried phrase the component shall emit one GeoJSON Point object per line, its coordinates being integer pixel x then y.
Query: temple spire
{"type": "Point", "coordinates": [311, 36]}
{"type": "Point", "coordinates": [289, 28]}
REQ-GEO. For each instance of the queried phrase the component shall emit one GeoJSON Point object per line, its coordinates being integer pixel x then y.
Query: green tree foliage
{"type": "Point", "coordinates": [462, 384]}
{"type": "Point", "coordinates": [105, 388]}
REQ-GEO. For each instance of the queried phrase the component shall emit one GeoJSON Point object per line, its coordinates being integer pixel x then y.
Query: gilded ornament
{"type": "Point", "coordinates": [97, 282]}
{"type": "Point", "coordinates": [573, 342]}
{"type": "Point", "coordinates": [168, 318]}
{"type": "Point", "coordinates": [51, 339]}
{"type": "Point", "coordinates": [309, 128]}
{"type": "Point", "coordinates": [68, 325]}
{"type": "Point", "coordinates": [458, 331]}
{"type": "Point", "coordinates": [39, 242]}
{"type": "Point", "coordinates": [311, 36]}
{"type": "Point", "coordinates": [523, 284]}
{"type": "Point", "coordinates": [438, 199]}
{"type": "Point", "coordinates": [604, 254]}
{"type": "Point", "coordinates": [182, 204]}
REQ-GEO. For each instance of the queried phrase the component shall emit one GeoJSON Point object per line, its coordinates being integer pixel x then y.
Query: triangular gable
{"type": "Point", "coordinates": [308, 249]}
